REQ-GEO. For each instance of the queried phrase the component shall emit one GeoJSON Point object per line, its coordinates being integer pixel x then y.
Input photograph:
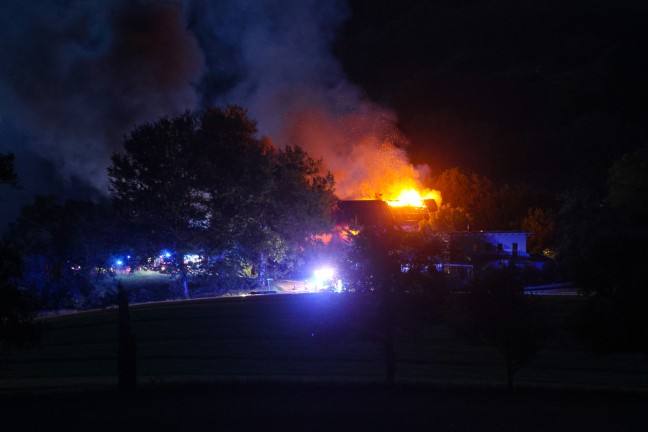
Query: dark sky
{"type": "Point", "coordinates": [546, 92]}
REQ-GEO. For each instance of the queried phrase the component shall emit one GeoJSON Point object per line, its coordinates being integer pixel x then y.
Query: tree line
{"type": "Point", "coordinates": [197, 183]}
{"type": "Point", "coordinates": [601, 245]}
{"type": "Point", "coordinates": [202, 182]}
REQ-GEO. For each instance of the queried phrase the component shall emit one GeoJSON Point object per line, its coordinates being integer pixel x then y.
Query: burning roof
{"type": "Point", "coordinates": [367, 213]}
{"type": "Point", "coordinates": [379, 213]}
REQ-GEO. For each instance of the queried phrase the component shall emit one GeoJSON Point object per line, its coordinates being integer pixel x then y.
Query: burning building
{"type": "Point", "coordinates": [405, 211]}
{"type": "Point", "coordinates": [468, 252]}
{"type": "Point", "coordinates": [379, 213]}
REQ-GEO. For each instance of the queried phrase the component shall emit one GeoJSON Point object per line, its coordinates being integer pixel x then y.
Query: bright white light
{"type": "Point", "coordinates": [323, 276]}
{"type": "Point", "coordinates": [119, 262]}
{"type": "Point", "coordinates": [324, 273]}
{"type": "Point", "coordinates": [192, 257]}
{"type": "Point", "coordinates": [338, 286]}
{"type": "Point", "coordinates": [167, 255]}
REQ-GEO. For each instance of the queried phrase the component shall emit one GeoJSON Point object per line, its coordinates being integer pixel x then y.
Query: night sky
{"type": "Point", "coordinates": [545, 92]}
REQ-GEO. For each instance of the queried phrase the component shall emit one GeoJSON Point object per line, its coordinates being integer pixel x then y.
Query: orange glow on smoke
{"type": "Point", "coordinates": [324, 237]}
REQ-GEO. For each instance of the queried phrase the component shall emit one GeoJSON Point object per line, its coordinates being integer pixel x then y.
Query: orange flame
{"type": "Point", "coordinates": [413, 198]}
{"type": "Point", "coordinates": [325, 238]}
{"type": "Point", "coordinates": [365, 152]}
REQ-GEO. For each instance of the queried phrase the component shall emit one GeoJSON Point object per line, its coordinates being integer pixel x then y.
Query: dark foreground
{"type": "Point", "coordinates": [318, 407]}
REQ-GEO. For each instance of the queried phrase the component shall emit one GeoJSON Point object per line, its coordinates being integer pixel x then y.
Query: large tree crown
{"type": "Point", "coordinates": [206, 181]}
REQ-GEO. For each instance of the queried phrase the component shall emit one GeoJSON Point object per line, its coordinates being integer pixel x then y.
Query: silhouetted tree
{"type": "Point", "coordinates": [66, 248]}
{"type": "Point", "coordinates": [627, 185]}
{"type": "Point", "coordinates": [301, 200]}
{"type": "Point", "coordinates": [7, 172]}
{"type": "Point", "coordinates": [153, 184]}
{"type": "Point", "coordinates": [205, 183]}
{"type": "Point", "coordinates": [605, 243]}
{"type": "Point", "coordinates": [604, 240]}
{"type": "Point", "coordinates": [471, 201]}
{"type": "Point", "coordinates": [449, 218]}
{"type": "Point", "coordinates": [541, 224]}
{"type": "Point", "coordinates": [502, 316]}
{"type": "Point", "coordinates": [392, 284]}
{"type": "Point", "coordinates": [513, 202]}
{"type": "Point", "coordinates": [16, 308]}
{"type": "Point", "coordinates": [470, 192]}
{"type": "Point", "coordinates": [17, 327]}
{"type": "Point", "coordinates": [578, 220]}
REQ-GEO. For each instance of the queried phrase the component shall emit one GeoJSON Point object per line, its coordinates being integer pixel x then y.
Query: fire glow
{"type": "Point", "coordinates": [412, 198]}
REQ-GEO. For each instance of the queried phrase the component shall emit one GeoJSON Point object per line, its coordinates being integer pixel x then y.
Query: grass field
{"type": "Point", "coordinates": [270, 339]}
{"type": "Point", "coordinates": [254, 363]}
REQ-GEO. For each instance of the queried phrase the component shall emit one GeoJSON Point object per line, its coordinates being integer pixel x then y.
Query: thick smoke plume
{"type": "Point", "coordinates": [297, 90]}
{"type": "Point", "coordinates": [76, 76]}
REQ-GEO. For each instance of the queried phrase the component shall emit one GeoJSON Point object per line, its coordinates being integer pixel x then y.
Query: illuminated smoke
{"type": "Point", "coordinates": [296, 89]}
{"type": "Point", "coordinates": [363, 150]}
{"type": "Point", "coordinates": [76, 76]}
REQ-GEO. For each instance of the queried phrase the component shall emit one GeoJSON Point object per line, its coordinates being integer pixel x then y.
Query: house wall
{"type": "Point", "coordinates": [493, 242]}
